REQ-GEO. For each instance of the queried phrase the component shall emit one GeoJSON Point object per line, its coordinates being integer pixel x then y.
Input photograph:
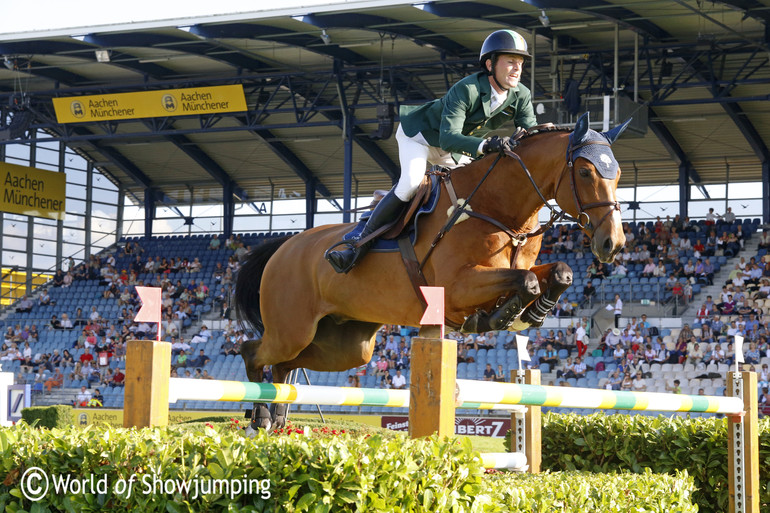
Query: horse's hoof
{"type": "Point", "coordinates": [254, 427]}
{"type": "Point", "coordinates": [250, 432]}
{"type": "Point", "coordinates": [477, 322]}
{"type": "Point", "coordinates": [279, 422]}
{"type": "Point", "coordinates": [518, 325]}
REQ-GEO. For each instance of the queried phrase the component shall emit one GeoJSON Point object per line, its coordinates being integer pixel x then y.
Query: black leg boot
{"type": "Point", "coordinates": [386, 211]}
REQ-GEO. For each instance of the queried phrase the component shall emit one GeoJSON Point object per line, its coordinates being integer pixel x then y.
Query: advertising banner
{"type": "Point", "coordinates": [32, 192]}
{"type": "Point", "coordinates": [150, 104]}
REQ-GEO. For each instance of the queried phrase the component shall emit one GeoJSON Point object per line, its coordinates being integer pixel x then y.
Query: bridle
{"type": "Point", "coordinates": [582, 218]}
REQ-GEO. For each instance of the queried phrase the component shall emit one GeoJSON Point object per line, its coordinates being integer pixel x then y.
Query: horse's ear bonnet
{"type": "Point", "coordinates": [600, 155]}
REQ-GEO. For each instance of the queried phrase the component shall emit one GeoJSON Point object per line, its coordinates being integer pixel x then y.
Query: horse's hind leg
{"type": "Point", "coordinates": [554, 279]}
{"type": "Point", "coordinates": [260, 415]}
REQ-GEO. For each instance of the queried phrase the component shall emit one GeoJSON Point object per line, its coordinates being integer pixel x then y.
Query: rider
{"type": "Point", "coordinates": [449, 131]}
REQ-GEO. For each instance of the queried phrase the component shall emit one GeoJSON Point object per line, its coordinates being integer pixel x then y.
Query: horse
{"type": "Point", "coordinates": [311, 317]}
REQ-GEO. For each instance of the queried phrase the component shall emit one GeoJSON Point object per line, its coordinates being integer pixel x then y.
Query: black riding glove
{"type": "Point", "coordinates": [495, 144]}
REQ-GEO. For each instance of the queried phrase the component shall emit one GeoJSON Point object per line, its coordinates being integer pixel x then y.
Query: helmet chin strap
{"type": "Point", "coordinates": [494, 75]}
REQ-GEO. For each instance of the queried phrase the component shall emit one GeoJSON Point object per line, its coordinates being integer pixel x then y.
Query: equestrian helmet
{"type": "Point", "coordinates": [502, 41]}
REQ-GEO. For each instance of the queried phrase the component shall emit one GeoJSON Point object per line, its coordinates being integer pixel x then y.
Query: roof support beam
{"type": "Point", "coordinates": [291, 160]}
{"type": "Point", "coordinates": [675, 150]}
{"type": "Point", "coordinates": [311, 203]}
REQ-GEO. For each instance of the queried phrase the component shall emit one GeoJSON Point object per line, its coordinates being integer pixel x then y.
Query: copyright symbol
{"type": "Point", "coordinates": [34, 483]}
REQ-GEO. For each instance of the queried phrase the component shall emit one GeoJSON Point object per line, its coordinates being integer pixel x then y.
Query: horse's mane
{"type": "Point", "coordinates": [547, 128]}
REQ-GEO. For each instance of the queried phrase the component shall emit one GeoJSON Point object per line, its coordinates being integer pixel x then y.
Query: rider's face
{"type": "Point", "coordinates": [507, 70]}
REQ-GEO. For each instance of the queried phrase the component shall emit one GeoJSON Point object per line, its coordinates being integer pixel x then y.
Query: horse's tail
{"type": "Point", "coordinates": [249, 281]}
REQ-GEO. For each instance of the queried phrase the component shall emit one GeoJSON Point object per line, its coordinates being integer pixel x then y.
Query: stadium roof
{"type": "Point", "coordinates": [698, 70]}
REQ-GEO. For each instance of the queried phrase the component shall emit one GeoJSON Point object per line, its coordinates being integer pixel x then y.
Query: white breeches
{"type": "Point", "coordinates": [414, 154]}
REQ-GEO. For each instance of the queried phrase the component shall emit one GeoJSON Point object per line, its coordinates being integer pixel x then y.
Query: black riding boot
{"type": "Point", "coordinates": [386, 211]}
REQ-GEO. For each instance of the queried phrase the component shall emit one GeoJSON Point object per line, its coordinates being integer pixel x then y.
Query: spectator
{"type": "Point", "coordinates": [97, 400]}
{"type": "Point", "coordinates": [201, 360]}
{"type": "Point", "coordinates": [500, 375]}
{"type": "Point", "coordinates": [489, 373]}
{"type": "Point", "coordinates": [118, 378]}
{"type": "Point", "coordinates": [675, 389]}
{"type": "Point", "coordinates": [402, 362]}
{"type": "Point", "coordinates": [618, 310]}
{"type": "Point", "coordinates": [579, 369]}
{"type": "Point", "coordinates": [86, 356]}
{"type": "Point", "coordinates": [615, 381]}
{"type": "Point", "coordinates": [569, 368]}
{"type": "Point", "coordinates": [67, 360]}
{"type": "Point", "coordinates": [588, 293]}
{"type": "Point", "coordinates": [581, 340]}
{"type": "Point", "coordinates": [56, 381]}
{"type": "Point", "coordinates": [399, 381]}
{"type": "Point", "coordinates": [203, 336]}
{"type": "Point", "coordinates": [627, 384]}
{"type": "Point", "coordinates": [752, 355]}
{"type": "Point", "coordinates": [550, 357]}
{"type": "Point", "coordinates": [66, 322]}
{"type": "Point", "coordinates": [181, 359]}
{"type": "Point", "coordinates": [25, 305]}
{"type": "Point", "coordinates": [83, 397]}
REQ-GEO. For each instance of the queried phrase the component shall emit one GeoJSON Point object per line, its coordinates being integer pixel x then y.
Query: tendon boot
{"type": "Point", "coordinates": [386, 211]}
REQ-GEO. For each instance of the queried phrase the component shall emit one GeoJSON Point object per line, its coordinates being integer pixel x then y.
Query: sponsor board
{"type": "Point", "coordinates": [32, 192]}
{"type": "Point", "coordinates": [477, 426]}
{"type": "Point", "coordinates": [86, 416]}
{"type": "Point", "coordinates": [150, 104]}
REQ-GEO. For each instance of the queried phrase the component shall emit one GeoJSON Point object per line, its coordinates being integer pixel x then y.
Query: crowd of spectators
{"type": "Point", "coordinates": [102, 341]}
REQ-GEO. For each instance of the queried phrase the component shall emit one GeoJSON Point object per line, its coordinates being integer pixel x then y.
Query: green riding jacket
{"type": "Point", "coordinates": [461, 119]}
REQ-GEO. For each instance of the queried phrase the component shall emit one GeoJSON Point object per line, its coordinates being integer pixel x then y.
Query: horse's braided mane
{"type": "Point", "coordinates": [541, 129]}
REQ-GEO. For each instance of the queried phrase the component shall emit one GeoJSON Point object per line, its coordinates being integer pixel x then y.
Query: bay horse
{"type": "Point", "coordinates": [311, 317]}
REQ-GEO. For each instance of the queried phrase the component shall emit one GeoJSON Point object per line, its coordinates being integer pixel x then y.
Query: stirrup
{"type": "Point", "coordinates": [350, 245]}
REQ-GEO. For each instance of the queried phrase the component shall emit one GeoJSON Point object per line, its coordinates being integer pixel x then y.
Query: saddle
{"type": "Point", "coordinates": [423, 202]}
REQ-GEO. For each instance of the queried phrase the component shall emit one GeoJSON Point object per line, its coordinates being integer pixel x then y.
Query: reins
{"type": "Point", "coordinates": [517, 238]}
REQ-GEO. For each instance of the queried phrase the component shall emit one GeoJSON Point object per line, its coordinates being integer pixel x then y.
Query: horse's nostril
{"type": "Point", "coordinates": [607, 246]}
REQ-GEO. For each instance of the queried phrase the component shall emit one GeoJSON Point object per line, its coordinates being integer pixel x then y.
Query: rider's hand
{"type": "Point", "coordinates": [495, 144]}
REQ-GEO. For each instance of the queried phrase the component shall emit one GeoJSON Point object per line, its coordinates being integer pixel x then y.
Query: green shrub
{"type": "Point", "coordinates": [56, 416]}
{"type": "Point", "coordinates": [316, 469]}
{"type": "Point", "coordinates": [580, 492]}
{"type": "Point", "coordinates": [305, 473]}
{"type": "Point", "coordinates": [665, 445]}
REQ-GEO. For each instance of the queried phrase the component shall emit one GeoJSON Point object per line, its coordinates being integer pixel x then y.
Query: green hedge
{"type": "Point", "coordinates": [582, 492]}
{"type": "Point", "coordinates": [635, 443]}
{"type": "Point", "coordinates": [56, 416]}
{"type": "Point", "coordinates": [306, 470]}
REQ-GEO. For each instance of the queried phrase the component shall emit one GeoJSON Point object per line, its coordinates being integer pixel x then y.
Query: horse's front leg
{"type": "Point", "coordinates": [554, 279]}
{"type": "Point", "coordinates": [490, 298]}
{"type": "Point", "coordinates": [260, 415]}
{"type": "Point", "coordinates": [279, 410]}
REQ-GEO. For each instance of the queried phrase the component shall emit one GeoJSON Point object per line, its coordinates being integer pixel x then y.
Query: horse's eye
{"type": "Point", "coordinates": [584, 172]}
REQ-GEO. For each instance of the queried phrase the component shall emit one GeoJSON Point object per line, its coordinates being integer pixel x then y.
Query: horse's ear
{"type": "Point", "coordinates": [614, 133]}
{"type": "Point", "coordinates": [581, 129]}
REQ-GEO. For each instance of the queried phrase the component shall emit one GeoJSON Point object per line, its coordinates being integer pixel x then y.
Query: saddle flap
{"type": "Point", "coordinates": [419, 199]}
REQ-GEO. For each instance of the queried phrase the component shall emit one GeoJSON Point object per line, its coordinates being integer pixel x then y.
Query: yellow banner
{"type": "Point", "coordinates": [86, 416]}
{"type": "Point", "coordinates": [150, 104]}
{"type": "Point", "coordinates": [32, 192]}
